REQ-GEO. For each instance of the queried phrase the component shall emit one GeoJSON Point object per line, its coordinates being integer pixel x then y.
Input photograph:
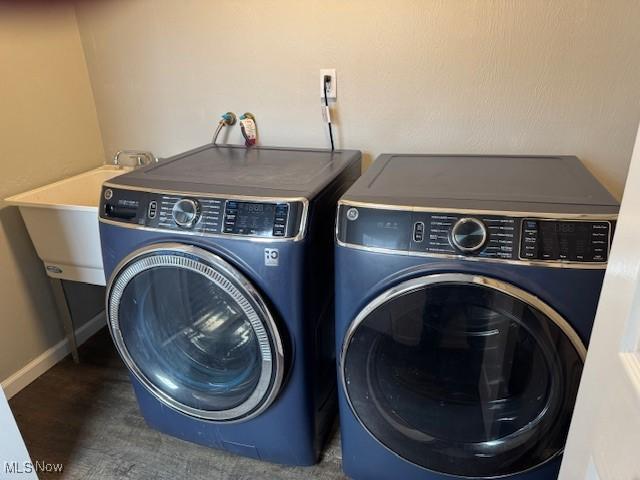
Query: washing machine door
{"type": "Point", "coordinates": [195, 332]}
{"type": "Point", "coordinates": [463, 375]}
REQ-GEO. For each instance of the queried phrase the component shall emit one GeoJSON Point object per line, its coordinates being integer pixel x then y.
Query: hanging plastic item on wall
{"type": "Point", "coordinates": [249, 129]}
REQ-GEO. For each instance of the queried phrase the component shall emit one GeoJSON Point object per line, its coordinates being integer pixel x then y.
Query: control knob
{"type": "Point", "coordinates": [186, 213]}
{"type": "Point", "coordinates": [468, 235]}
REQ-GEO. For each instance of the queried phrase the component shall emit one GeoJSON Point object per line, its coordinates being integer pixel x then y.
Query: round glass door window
{"type": "Point", "coordinates": [195, 333]}
{"type": "Point", "coordinates": [463, 375]}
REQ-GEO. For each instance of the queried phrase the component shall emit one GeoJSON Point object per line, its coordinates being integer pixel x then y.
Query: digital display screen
{"type": "Point", "coordinates": [246, 218]}
{"type": "Point", "coordinates": [378, 228]}
{"type": "Point", "coordinates": [565, 227]}
{"type": "Point", "coordinates": [572, 241]}
{"type": "Point", "coordinates": [565, 240]}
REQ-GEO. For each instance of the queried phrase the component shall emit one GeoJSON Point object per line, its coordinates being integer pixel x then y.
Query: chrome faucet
{"type": "Point", "coordinates": [141, 158]}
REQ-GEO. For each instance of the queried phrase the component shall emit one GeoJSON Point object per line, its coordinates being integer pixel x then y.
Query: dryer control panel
{"type": "Point", "coordinates": [473, 235]}
{"type": "Point", "coordinates": [184, 213]}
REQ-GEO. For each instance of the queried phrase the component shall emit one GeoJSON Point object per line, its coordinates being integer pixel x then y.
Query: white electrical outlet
{"type": "Point", "coordinates": [332, 88]}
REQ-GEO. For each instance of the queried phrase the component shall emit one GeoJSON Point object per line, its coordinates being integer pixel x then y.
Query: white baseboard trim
{"type": "Point", "coordinates": [39, 365]}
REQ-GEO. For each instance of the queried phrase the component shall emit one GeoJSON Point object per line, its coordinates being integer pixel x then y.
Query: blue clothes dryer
{"type": "Point", "coordinates": [219, 294]}
{"type": "Point", "coordinates": [466, 289]}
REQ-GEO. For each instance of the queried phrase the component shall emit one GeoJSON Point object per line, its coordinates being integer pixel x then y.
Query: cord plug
{"type": "Point", "coordinates": [326, 113]}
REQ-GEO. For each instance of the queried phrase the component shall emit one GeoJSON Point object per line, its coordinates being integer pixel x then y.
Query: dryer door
{"type": "Point", "coordinates": [463, 375]}
{"type": "Point", "coordinates": [195, 333]}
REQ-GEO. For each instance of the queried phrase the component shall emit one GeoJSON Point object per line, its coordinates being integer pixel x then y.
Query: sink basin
{"type": "Point", "coordinates": [62, 220]}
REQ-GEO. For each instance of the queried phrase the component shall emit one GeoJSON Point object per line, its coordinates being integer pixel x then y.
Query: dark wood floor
{"type": "Point", "coordinates": [85, 417]}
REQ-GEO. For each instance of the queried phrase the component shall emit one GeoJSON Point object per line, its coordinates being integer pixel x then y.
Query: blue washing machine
{"type": "Point", "coordinates": [466, 289]}
{"type": "Point", "coordinates": [219, 294]}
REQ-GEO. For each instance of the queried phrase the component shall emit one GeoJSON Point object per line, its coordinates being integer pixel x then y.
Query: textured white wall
{"type": "Point", "coordinates": [413, 75]}
{"type": "Point", "coordinates": [48, 130]}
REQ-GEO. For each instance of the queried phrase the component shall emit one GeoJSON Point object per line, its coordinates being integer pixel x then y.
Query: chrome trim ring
{"type": "Point", "coordinates": [462, 222]}
{"type": "Point", "coordinates": [218, 271]}
{"type": "Point", "coordinates": [529, 263]}
{"type": "Point", "coordinates": [472, 211]}
{"type": "Point", "coordinates": [452, 279]}
{"type": "Point", "coordinates": [178, 208]}
{"type": "Point", "coordinates": [249, 238]}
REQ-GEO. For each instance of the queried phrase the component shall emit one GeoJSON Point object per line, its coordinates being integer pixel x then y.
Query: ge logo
{"type": "Point", "coordinates": [352, 214]}
{"type": "Point", "coordinates": [271, 257]}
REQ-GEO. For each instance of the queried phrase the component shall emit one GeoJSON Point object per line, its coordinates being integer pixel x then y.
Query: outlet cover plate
{"type": "Point", "coordinates": [332, 91]}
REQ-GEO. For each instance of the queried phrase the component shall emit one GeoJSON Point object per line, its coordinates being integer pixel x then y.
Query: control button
{"type": "Point", "coordinates": [230, 213]}
{"type": "Point", "coordinates": [529, 250]}
{"type": "Point", "coordinates": [530, 225]}
{"type": "Point", "coordinates": [186, 213]}
{"type": "Point", "coordinates": [418, 232]}
{"type": "Point", "coordinates": [468, 235]}
{"type": "Point", "coordinates": [280, 220]}
{"type": "Point", "coordinates": [353, 214]}
{"type": "Point", "coordinates": [153, 209]}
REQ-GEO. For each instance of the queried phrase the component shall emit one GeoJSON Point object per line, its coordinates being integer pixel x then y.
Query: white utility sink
{"type": "Point", "coordinates": [62, 220]}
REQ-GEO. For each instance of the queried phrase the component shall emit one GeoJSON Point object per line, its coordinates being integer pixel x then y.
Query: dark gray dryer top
{"type": "Point", "coordinates": [236, 170]}
{"type": "Point", "coordinates": [532, 184]}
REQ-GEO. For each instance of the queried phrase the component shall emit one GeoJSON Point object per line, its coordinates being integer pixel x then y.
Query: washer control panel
{"type": "Point", "coordinates": [202, 215]}
{"type": "Point", "coordinates": [476, 235]}
{"type": "Point", "coordinates": [259, 219]}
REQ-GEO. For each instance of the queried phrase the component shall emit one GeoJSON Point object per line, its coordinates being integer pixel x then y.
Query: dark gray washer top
{"type": "Point", "coordinates": [237, 170]}
{"type": "Point", "coordinates": [536, 184]}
